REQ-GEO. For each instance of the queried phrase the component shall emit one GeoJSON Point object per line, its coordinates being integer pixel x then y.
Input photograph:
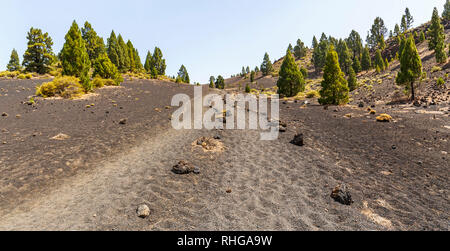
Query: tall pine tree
{"type": "Point", "coordinates": [437, 37]}
{"type": "Point", "coordinates": [39, 55]}
{"type": "Point", "coordinates": [366, 60]}
{"type": "Point", "coordinates": [410, 66]}
{"type": "Point", "coordinates": [113, 49]}
{"type": "Point", "coordinates": [95, 45]}
{"type": "Point", "coordinates": [291, 80]}
{"type": "Point", "coordinates": [446, 13]}
{"type": "Point", "coordinates": [14, 62]}
{"type": "Point", "coordinates": [335, 89]}
{"type": "Point", "coordinates": [74, 57]}
{"type": "Point", "coordinates": [266, 66]}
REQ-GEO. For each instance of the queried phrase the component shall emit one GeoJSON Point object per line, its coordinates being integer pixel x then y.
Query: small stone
{"type": "Point", "coordinates": [342, 195]}
{"type": "Point", "coordinates": [123, 121]}
{"type": "Point", "coordinates": [143, 211]}
{"type": "Point", "coordinates": [197, 170]}
{"type": "Point", "coordinates": [4, 114]}
{"type": "Point", "coordinates": [229, 191]}
{"type": "Point", "coordinates": [217, 137]}
{"type": "Point", "coordinates": [361, 104]}
{"type": "Point", "coordinates": [183, 167]}
{"type": "Point", "coordinates": [298, 140]}
{"type": "Point", "coordinates": [394, 147]}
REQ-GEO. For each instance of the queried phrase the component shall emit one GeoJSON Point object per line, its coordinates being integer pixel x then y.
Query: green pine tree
{"type": "Point", "coordinates": [366, 60]}
{"type": "Point", "coordinates": [252, 76]}
{"type": "Point", "coordinates": [183, 75]}
{"type": "Point", "coordinates": [410, 66]}
{"type": "Point", "coordinates": [104, 68]}
{"type": "Point", "coordinates": [354, 43]}
{"type": "Point", "coordinates": [352, 81]}
{"type": "Point", "coordinates": [300, 49]}
{"type": "Point", "coordinates": [266, 66]}
{"type": "Point", "coordinates": [345, 56]}
{"type": "Point", "coordinates": [113, 49]}
{"type": "Point", "coordinates": [158, 62]}
{"type": "Point", "coordinates": [446, 13]}
{"type": "Point", "coordinates": [137, 61]}
{"type": "Point", "coordinates": [291, 80]}
{"type": "Point", "coordinates": [74, 57]}
{"type": "Point", "coordinates": [335, 89]}
{"type": "Point", "coordinates": [319, 54]}
{"type": "Point", "coordinates": [436, 31]}
{"type": "Point", "coordinates": [441, 56]}
{"type": "Point", "coordinates": [377, 33]}
{"type": "Point", "coordinates": [396, 30]}
{"type": "Point", "coordinates": [356, 67]}
{"type": "Point", "coordinates": [379, 62]}
{"type": "Point", "coordinates": [39, 55]}
{"type": "Point", "coordinates": [95, 45]}
{"type": "Point", "coordinates": [314, 42]}
{"type": "Point", "coordinates": [14, 62]}
{"type": "Point", "coordinates": [220, 82]}
{"type": "Point", "coordinates": [124, 57]}
{"type": "Point", "coordinates": [212, 81]}
{"type": "Point", "coordinates": [422, 37]}
{"type": "Point", "coordinates": [148, 62]}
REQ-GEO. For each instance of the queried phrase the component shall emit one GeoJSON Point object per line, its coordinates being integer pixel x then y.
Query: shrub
{"type": "Point", "coordinates": [66, 87]}
{"type": "Point", "coordinates": [100, 82]}
{"type": "Point", "coordinates": [247, 88]}
{"type": "Point", "coordinates": [384, 118]}
{"type": "Point", "coordinates": [25, 76]}
{"type": "Point", "coordinates": [436, 69]}
{"type": "Point", "coordinates": [313, 94]}
{"type": "Point", "coordinates": [440, 82]}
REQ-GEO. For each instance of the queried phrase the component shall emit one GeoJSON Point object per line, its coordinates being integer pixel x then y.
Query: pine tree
{"type": "Point", "coordinates": [290, 48]}
{"type": "Point", "coordinates": [158, 62]}
{"type": "Point", "coordinates": [137, 61]}
{"type": "Point", "coordinates": [131, 53]}
{"type": "Point", "coordinates": [256, 69]}
{"type": "Point", "coordinates": [14, 62]}
{"type": "Point", "coordinates": [446, 13]}
{"type": "Point", "coordinates": [354, 43]}
{"type": "Point", "coordinates": [402, 45]}
{"type": "Point", "coordinates": [291, 80]}
{"type": "Point", "coordinates": [409, 19]}
{"type": "Point", "coordinates": [113, 49]}
{"type": "Point", "coordinates": [345, 56]}
{"type": "Point", "coordinates": [212, 79]}
{"type": "Point", "coordinates": [252, 76]}
{"type": "Point", "coordinates": [382, 44]}
{"type": "Point", "coordinates": [379, 62]}
{"type": "Point", "coordinates": [404, 24]}
{"type": "Point", "coordinates": [335, 89]}
{"type": "Point", "coordinates": [243, 72]}
{"type": "Point", "coordinates": [366, 60]}
{"type": "Point", "coordinates": [377, 32]}
{"type": "Point", "coordinates": [352, 81]}
{"type": "Point", "coordinates": [441, 56]}
{"type": "Point", "coordinates": [319, 54]}
{"type": "Point", "coordinates": [396, 30]}
{"type": "Point", "coordinates": [95, 45]}
{"type": "Point", "coordinates": [300, 49]}
{"type": "Point", "coordinates": [410, 66]}
{"type": "Point", "coordinates": [104, 68]}
{"type": "Point", "coordinates": [183, 75]}
{"type": "Point", "coordinates": [220, 82]}
{"type": "Point", "coordinates": [266, 66]}
{"type": "Point", "coordinates": [124, 57]}
{"type": "Point", "coordinates": [148, 62]}
{"type": "Point", "coordinates": [436, 31]}
{"type": "Point", "coordinates": [422, 37]}
{"type": "Point", "coordinates": [304, 72]}
{"type": "Point", "coordinates": [74, 57]}
{"type": "Point", "coordinates": [247, 70]}
{"type": "Point", "coordinates": [39, 55]}
{"type": "Point", "coordinates": [314, 42]}
{"type": "Point", "coordinates": [356, 67]}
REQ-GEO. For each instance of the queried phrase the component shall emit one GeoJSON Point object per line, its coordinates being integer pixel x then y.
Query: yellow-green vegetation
{"type": "Point", "coordinates": [100, 82]}
{"type": "Point", "coordinates": [384, 118]}
{"type": "Point", "coordinates": [313, 94]}
{"type": "Point", "coordinates": [440, 82]}
{"type": "Point", "coordinates": [436, 69]}
{"type": "Point", "coordinates": [9, 74]}
{"type": "Point", "coordinates": [25, 76]}
{"type": "Point", "coordinates": [372, 112]}
{"type": "Point", "coordinates": [66, 87]}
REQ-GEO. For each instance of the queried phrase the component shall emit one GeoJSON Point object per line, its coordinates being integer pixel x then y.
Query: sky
{"type": "Point", "coordinates": [210, 37]}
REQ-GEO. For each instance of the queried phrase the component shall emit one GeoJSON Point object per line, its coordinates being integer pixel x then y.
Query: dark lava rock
{"type": "Point", "coordinates": [361, 104]}
{"type": "Point", "coordinates": [4, 114]}
{"type": "Point", "coordinates": [342, 195]}
{"type": "Point", "coordinates": [417, 104]}
{"type": "Point", "coordinates": [217, 137]}
{"type": "Point", "coordinates": [298, 140]}
{"type": "Point", "coordinates": [183, 167]}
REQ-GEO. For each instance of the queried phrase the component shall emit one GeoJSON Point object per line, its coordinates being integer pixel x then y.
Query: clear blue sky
{"type": "Point", "coordinates": [210, 37]}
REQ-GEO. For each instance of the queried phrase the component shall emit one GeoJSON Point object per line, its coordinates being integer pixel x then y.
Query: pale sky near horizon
{"type": "Point", "coordinates": [210, 37]}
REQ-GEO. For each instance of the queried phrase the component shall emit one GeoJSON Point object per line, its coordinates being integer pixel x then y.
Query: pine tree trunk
{"type": "Point", "coordinates": [412, 92]}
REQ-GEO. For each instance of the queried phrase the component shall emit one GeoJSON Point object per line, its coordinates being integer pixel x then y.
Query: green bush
{"type": "Point", "coordinates": [66, 87]}
{"type": "Point", "coordinates": [436, 69]}
{"type": "Point", "coordinates": [440, 82]}
{"type": "Point", "coordinates": [25, 76]}
{"type": "Point", "coordinates": [99, 82]}
{"type": "Point", "coordinates": [106, 70]}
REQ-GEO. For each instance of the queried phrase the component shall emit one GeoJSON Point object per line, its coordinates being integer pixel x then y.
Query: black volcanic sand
{"type": "Point", "coordinates": [396, 172]}
{"type": "Point", "coordinates": [30, 160]}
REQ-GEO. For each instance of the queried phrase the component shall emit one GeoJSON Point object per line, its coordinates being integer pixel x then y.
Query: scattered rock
{"type": "Point", "coordinates": [5, 114]}
{"type": "Point", "coordinates": [61, 136]}
{"type": "Point", "coordinates": [217, 137]}
{"type": "Point", "coordinates": [361, 104]}
{"type": "Point", "coordinates": [384, 118]}
{"type": "Point", "coordinates": [229, 191]}
{"type": "Point", "coordinates": [197, 170]}
{"type": "Point", "coordinates": [394, 147]}
{"type": "Point", "coordinates": [143, 211]}
{"type": "Point", "coordinates": [342, 195]}
{"type": "Point", "coordinates": [18, 116]}
{"type": "Point", "coordinates": [298, 140]}
{"type": "Point", "coordinates": [123, 121]}
{"type": "Point", "coordinates": [417, 103]}
{"type": "Point", "coordinates": [183, 167]}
